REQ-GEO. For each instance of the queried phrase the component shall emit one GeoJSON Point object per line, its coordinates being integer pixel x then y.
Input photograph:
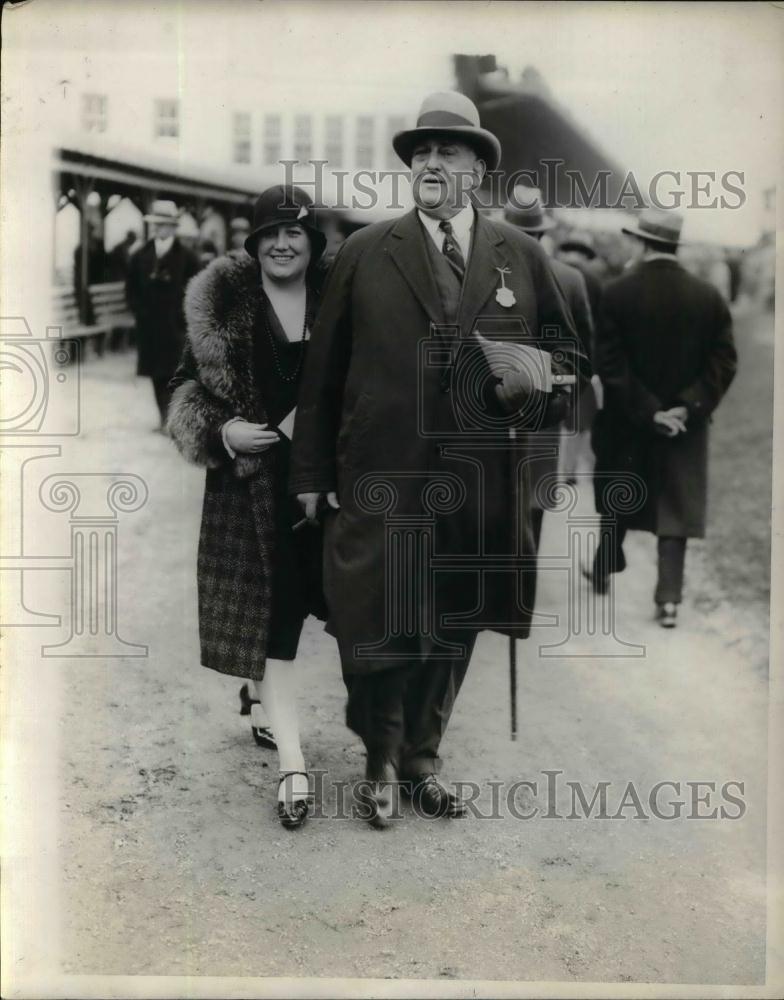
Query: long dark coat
{"type": "Point", "coordinates": [545, 445]}
{"type": "Point", "coordinates": [237, 539]}
{"type": "Point", "coordinates": [154, 290]}
{"type": "Point", "coordinates": [414, 463]}
{"type": "Point", "coordinates": [665, 340]}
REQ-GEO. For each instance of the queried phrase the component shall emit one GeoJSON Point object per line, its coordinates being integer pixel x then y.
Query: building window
{"type": "Point", "coordinates": [395, 124]}
{"type": "Point", "coordinates": [242, 137]}
{"type": "Point", "coordinates": [364, 149]}
{"type": "Point", "coordinates": [167, 119]}
{"type": "Point", "coordinates": [272, 139]}
{"type": "Point", "coordinates": [94, 112]}
{"type": "Point", "coordinates": [303, 138]}
{"type": "Point", "coordinates": [333, 148]}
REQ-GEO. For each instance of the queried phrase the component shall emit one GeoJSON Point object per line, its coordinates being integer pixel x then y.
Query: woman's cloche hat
{"type": "Point", "coordinates": [525, 210]}
{"type": "Point", "coordinates": [656, 224]}
{"type": "Point", "coordinates": [283, 205]}
{"type": "Point", "coordinates": [163, 211]}
{"type": "Point", "coordinates": [453, 114]}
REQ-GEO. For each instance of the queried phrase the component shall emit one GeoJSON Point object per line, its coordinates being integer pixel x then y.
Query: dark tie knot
{"type": "Point", "coordinates": [446, 227]}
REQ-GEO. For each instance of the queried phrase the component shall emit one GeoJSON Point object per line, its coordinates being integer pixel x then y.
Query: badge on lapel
{"type": "Point", "coordinates": [504, 296]}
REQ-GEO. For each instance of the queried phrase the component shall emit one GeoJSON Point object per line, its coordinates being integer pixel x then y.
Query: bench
{"type": "Point", "coordinates": [66, 315]}
{"type": "Point", "coordinates": [111, 311]}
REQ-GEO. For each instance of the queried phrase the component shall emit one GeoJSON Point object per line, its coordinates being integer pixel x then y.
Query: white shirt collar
{"type": "Point", "coordinates": [462, 224]}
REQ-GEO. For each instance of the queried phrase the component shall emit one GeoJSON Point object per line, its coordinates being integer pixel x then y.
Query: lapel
{"type": "Point", "coordinates": [409, 252]}
{"type": "Point", "coordinates": [172, 258]}
{"type": "Point", "coordinates": [481, 279]}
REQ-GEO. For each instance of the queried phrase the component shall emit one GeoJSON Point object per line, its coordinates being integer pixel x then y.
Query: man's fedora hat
{"type": "Point", "coordinates": [452, 114]}
{"type": "Point", "coordinates": [163, 211]}
{"type": "Point", "coordinates": [658, 225]}
{"type": "Point", "coordinates": [284, 205]}
{"type": "Point", "coordinates": [525, 210]}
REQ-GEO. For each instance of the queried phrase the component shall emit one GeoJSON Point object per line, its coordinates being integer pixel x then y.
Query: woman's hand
{"type": "Point", "coordinates": [249, 439]}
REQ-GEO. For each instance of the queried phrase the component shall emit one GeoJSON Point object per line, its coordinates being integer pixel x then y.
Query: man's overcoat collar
{"type": "Point", "coordinates": [488, 252]}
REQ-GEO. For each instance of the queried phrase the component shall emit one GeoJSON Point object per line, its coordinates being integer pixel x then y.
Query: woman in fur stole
{"type": "Point", "coordinates": [232, 411]}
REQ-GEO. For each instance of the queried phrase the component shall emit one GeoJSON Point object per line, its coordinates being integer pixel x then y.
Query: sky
{"type": "Point", "coordinates": [659, 86]}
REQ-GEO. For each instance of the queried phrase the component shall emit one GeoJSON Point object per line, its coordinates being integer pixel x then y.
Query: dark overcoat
{"type": "Point", "coordinates": [236, 544]}
{"type": "Point", "coordinates": [154, 289]}
{"type": "Point", "coordinates": [665, 340]}
{"type": "Point", "coordinates": [545, 444]}
{"type": "Point", "coordinates": [394, 415]}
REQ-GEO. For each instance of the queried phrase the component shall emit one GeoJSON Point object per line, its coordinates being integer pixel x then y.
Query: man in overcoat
{"type": "Point", "coordinates": [158, 274]}
{"type": "Point", "coordinates": [525, 210]}
{"type": "Point", "coordinates": [666, 356]}
{"type": "Point", "coordinates": [405, 430]}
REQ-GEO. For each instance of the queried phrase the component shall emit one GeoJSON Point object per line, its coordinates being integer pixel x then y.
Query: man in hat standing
{"type": "Point", "coordinates": [526, 211]}
{"type": "Point", "coordinates": [666, 356]}
{"type": "Point", "coordinates": [157, 276]}
{"type": "Point", "coordinates": [403, 439]}
{"type": "Point", "coordinates": [578, 251]}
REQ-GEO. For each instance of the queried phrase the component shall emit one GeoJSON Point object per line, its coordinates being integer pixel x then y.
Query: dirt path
{"type": "Point", "coordinates": [172, 861]}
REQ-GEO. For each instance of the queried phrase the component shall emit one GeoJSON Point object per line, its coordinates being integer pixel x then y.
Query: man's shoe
{"type": "Point", "coordinates": [378, 795]}
{"type": "Point", "coordinates": [600, 584]}
{"type": "Point", "coordinates": [667, 614]}
{"type": "Point", "coordinates": [432, 799]}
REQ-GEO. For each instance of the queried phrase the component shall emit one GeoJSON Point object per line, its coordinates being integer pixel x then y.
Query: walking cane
{"type": "Point", "coordinates": [513, 685]}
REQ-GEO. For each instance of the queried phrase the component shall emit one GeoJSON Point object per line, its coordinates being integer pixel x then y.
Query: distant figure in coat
{"type": "Point", "coordinates": [666, 356]}
{"type": "Point", "coordinates": [157, 276]}
{"type": "Point", "coordinates": [403, 441]}
{"type": "Point", "coordinates": [96, 272]}
{"type": "Point", "coordinates": [120, 257]}
{"type": "Point", "coordinates": [526, 211]}
{"type": "Point", "coordinates": [578, 251]}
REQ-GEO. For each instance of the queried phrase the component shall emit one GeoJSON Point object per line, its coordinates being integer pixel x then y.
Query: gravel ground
{"type": "Point", "coordinates": [171, 860]}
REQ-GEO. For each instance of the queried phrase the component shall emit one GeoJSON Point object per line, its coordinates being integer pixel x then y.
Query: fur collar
{"type": "Point", "coordinates": [222, 303]}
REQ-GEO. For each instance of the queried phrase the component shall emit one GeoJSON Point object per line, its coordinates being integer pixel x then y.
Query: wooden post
{"type": "Point", "coordinates": [83, 187]}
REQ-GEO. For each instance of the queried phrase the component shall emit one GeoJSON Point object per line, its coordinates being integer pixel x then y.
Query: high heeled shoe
{"type": "Point", "coordinates": [293, 812]}
{"type": "Point", "coordinates": [261, 734]}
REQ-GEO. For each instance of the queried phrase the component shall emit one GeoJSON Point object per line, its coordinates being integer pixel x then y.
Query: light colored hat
{"type": "Point", "coordinates": [526, 211]}
{"type": "Point", "coordinates": [239, 225]}
{"type": "Point", "coordinates": [449, 113]}
{"type": "Point", "coordinates": [163, 211]}
{"type": "Point", "coordinates": [657, 224]}
{"type": "Point", "coordinates": [187, 227]}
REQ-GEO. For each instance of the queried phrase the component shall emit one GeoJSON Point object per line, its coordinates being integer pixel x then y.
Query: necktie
{"type": "Point", "coordinates": [451, 250]}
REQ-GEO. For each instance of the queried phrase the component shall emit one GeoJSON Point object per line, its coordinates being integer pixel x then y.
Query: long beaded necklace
{"type": "Point", "coordinates": [291, 376]}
